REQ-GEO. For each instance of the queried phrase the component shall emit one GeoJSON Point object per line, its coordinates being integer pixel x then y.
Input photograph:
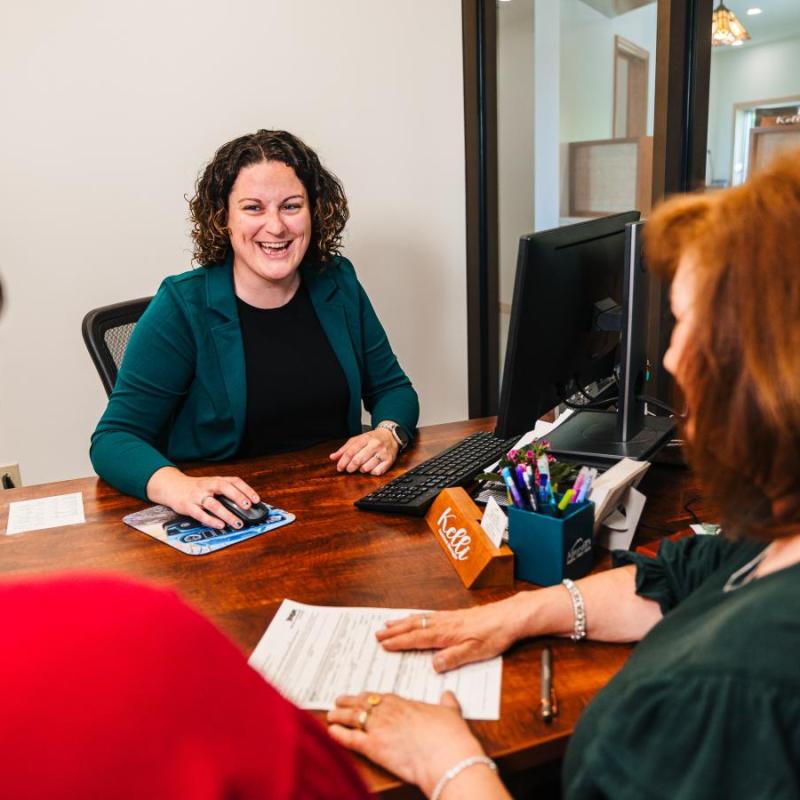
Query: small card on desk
{"type": "Point", "coordinates": [45, 512]}
{"type": "Point", "coordinates": [192, 538]}
{"type": "Point", "coordinates": [495, 523]}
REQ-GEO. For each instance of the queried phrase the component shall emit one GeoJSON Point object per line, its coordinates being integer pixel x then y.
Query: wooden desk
{"type": "Point", "coordinates": [336, 555]}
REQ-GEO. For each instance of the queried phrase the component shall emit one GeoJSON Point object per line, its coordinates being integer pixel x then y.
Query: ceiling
{"type": "Point", "coordinates": [779, 19]}
{"type": "Point", "coordinates": [613, 8]}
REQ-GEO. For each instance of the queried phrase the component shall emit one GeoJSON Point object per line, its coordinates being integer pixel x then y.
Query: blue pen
{"type": "Point", "coordinates": [542, 489]}
{"type": "Point", "coordinates": [545, 484]}
{"type": "Point", "coordinates": [587, 485]}
{"type": "Point", "coordinates": [512, 487]}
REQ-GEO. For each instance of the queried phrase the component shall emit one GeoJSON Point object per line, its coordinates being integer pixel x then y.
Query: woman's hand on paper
{"type": "Point", "coordinates": [464, 636]}
{"type": "Point", "coordinates": [373, 452]}
{"type": "Point", "coordinates": [195, 497]}
{"type": "Point", "coordinates": [418, 742]}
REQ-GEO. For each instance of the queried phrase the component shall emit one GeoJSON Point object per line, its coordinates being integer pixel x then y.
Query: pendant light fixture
{"type": "Point", "coordinates": [726, 28]}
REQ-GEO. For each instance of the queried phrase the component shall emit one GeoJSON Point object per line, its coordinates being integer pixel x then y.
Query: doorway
{"type": "Point", "coordinates": [631, 64]}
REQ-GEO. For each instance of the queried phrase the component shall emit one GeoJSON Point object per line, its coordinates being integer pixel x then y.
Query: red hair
{"type": "Point", "coordinates": [741, 369]}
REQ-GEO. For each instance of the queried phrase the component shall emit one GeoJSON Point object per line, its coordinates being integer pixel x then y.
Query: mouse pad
{"type": "Point", "coordinates": [190, 537]}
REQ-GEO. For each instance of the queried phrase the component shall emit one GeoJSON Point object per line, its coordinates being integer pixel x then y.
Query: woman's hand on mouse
{"type": "Point", "coordinates": [374, 452]}
{"type": "Point", "coordinates": [194, 497]}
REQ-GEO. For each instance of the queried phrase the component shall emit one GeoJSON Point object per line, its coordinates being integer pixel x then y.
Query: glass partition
{"type": "Point", "coordinates": [754, 100]}
{"type": "Point", "coordinates": [575, 103]}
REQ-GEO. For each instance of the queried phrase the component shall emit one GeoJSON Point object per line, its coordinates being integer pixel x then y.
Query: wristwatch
{"type": "Point", "coordinates": [400, 436]}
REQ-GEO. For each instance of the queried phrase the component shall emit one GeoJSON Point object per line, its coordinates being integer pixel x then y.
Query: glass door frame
{"type": "Point", "coordinates": [683, 63]}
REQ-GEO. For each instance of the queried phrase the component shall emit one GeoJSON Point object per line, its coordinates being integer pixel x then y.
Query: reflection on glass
{"type": "Point", "coordinates": [575, 97]}
{"type": "Point", "coordinates": [754, 102]}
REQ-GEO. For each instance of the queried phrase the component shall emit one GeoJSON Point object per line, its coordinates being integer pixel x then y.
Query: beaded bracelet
{"type": "Point", "coordinates": [578, 610]}
{"type": "Point", "coordinates": [457, 769]}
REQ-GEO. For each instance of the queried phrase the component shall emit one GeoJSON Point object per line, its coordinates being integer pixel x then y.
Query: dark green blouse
{"type": "Point", "coordinates": [708, 705]}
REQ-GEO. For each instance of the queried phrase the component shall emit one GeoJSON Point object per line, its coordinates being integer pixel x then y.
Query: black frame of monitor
{"type": "Point", "coordinates": [589, 435]}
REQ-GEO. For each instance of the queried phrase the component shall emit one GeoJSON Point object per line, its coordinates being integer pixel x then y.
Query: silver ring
{"type": "Point", "coordinates": [425, 618]}
{"type": "Point", "coordinates": [203, 501]}
{"type": "Point", "coordinates": [362, 718]}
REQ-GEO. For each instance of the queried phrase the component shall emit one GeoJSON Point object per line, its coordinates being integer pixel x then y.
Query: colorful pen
{"type": "Point", "coordinates": [587, 485]}
{"type": "Point", "coordinates": [545, 487]}
{"type": "Point", "coordinates": [530, 487]}
{"type": "Point", "coordinates": [579, 483]}
{"type": "Point", "coordinates": [521, 485]}
{"type": "Point", "coordinates": [512, 488]}
{"type": "Point", "coordinates": [565, 500]}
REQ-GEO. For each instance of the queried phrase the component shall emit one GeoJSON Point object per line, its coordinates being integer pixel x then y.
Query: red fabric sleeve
{"type": "Point", "coordinates": [111, 689]}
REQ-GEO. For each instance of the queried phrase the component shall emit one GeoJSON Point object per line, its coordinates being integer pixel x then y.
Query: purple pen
{"type": "Point", "coordinates": [522, 484]}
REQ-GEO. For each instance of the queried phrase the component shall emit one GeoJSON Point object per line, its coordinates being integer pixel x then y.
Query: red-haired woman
{"type": "Point", "coordinates": [708, 705]}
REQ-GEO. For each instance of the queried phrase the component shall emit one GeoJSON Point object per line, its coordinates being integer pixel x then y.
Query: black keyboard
{"type": "Point", "coordinates": [413, 492]}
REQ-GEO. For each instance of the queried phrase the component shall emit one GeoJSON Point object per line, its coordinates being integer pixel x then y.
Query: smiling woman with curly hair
{"type": "Point", "coordinates": [272, 346]}
{"type": "Point", "coordinates": [209, 206]}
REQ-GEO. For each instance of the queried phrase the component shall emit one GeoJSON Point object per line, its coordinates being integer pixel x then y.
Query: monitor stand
{"type": "Point", "coordinates": [592, 436]}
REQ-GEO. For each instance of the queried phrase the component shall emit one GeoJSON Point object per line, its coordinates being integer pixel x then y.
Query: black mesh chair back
{"type": "Point", "coordinates": [106, 332]}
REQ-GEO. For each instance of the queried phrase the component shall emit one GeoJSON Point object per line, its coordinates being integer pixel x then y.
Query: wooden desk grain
{"type": "Point", "coordinates": [336, 555]}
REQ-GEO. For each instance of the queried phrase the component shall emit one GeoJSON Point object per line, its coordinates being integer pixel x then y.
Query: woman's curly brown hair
{"type": "Point", "coordinates": [209, 206]}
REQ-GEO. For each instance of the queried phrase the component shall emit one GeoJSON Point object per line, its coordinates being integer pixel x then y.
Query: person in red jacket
{"type": "Point", "coordinates": [112, 689]}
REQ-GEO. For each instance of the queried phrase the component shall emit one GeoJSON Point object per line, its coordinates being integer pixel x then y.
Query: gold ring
{"type": "Point", "coordinates": [362, 718]}
{"type": "Point", "coordinates": [374, 700]}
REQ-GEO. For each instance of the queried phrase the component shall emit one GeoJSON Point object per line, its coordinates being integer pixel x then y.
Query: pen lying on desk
{"type": "Point", "coordinates": [547, 693]}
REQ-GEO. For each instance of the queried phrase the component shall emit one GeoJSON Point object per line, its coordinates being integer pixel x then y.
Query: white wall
{"type": "Point", "coordinates": [587, 66]}
{"type": "Point", "coordinates": [515, 144]}
{"type": "Point", "coordinates": [746, 75]}
{"type": "Point", "coordinates": [110, 109]}
{"type": "Point", "coordinates": [547, 102]}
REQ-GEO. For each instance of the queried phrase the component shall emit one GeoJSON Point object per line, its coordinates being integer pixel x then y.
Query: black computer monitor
{"type": "Point", "coordinates": [579, 316]}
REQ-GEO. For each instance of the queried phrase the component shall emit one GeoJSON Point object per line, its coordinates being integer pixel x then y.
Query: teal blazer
{"type": "Point", "coordinates": [181, 396]}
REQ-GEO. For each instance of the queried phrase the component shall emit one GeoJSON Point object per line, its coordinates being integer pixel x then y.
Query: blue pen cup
{"type": "Point", "coordinates": [548, 548]}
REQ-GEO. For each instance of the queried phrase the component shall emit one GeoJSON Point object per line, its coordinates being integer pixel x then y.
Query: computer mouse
{"type": "Point", "coordinates": [258, 512]}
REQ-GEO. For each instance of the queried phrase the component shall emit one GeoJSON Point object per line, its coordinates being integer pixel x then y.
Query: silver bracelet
{"type": "Point", "coordinates": [458, 768]}
{"type": "Point", "coordinates": [578, 610]}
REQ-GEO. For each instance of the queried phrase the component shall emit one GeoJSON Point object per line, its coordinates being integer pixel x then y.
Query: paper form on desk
{"type": "Point", "coordinates": [313, 654]}
{"type": "Point", "coordinates": [46, 512]}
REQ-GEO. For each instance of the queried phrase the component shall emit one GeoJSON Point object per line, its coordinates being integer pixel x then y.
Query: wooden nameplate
{"type": "Point", "coordinates": [456, 523]}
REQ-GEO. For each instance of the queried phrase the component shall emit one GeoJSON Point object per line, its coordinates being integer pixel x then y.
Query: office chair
{"type": "Point", "coordinates": [106, 332]}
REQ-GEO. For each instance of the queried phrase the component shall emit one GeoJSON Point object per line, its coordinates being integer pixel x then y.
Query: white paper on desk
{"type": "Point", "coordinates": [313, 654]}
{"type": "Point", "coordinates": [618, 528]}
{"type": "Point", "coordinates": [46, 512]}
